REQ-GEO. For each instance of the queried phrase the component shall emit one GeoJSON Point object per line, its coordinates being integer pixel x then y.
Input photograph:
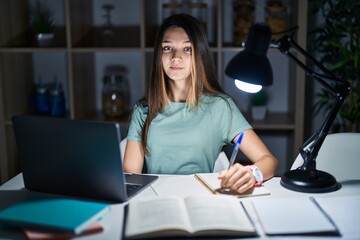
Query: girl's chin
{"type": "Point", "coordinates": [177, 78]}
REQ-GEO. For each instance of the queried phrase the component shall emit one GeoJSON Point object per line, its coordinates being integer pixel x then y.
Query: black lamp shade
{"type": "Point", "coordinates": [252, 65]}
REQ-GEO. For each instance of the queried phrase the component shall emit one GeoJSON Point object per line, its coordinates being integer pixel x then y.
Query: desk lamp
{"type": "Point", "coordinates": [251, 70]}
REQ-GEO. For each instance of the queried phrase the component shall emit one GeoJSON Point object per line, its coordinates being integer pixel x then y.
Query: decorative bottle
{"type": "Point", "coordinates": [115, 95]}
{"type": "Point", "coordinates": [57, 101]}
{"type": "Point", "coordinates": [41, 98]}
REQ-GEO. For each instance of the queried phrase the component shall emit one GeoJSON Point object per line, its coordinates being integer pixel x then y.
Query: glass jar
{"type": "Point", "coordinates": [276, 18]}
{"type": "Point", "coordinates": [244, 15]}
{"type": "Point", "coordinates": [115, 95]}
{"type": "Point", "coordinates": [171, 8]}
{"type": "Point", "coordinates": [199, 10]}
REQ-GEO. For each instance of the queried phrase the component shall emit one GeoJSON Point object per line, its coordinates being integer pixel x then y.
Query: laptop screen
{"type": "Point", "coordinates": [71, 157]}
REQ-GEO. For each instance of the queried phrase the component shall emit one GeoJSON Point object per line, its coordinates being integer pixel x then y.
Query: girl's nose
{"type": "Point", "coordinates": [176, 56]}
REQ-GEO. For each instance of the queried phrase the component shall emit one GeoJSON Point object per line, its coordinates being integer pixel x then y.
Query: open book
{"type": "Point", "coordinates": [212, 183]}
{"type": "Point", "coordinates": [184, 217]}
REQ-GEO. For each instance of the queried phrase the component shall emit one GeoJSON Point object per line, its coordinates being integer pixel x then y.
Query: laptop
{"type": "Point", "coordinates": [74, 157]}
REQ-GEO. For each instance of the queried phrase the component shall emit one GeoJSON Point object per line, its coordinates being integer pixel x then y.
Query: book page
{"type": "Point", "coordinates": [211, 181]}
{"type": "Point", "coordinates": [156, 214]}
{"type": "Point", "coordinates": [345, 212]}
{"type": "Point", "coordinates": [217, 212]}
{"type": "Point", "coordinates": [292, 216]}
{"type": "Point", "coordinates": [180, 186]}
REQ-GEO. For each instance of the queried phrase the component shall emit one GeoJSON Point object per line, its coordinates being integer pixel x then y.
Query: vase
{"type": "Point", "coordinates": [258, 112]}
{"type": "Point", "coordinates": [44, 39]}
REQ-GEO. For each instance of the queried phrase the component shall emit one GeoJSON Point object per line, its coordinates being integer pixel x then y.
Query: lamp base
{"type": "Point", "coordinates": [313, 181]}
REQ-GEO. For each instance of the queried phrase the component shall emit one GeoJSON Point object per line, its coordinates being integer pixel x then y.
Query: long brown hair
{"type": "Point", "coordinates": [203, 74]}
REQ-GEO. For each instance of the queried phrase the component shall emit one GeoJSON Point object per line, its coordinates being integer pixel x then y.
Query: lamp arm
{"type": "Point", "coordinates": [309, 150]}
{"type": "Point", "coordinates": [284, 45]}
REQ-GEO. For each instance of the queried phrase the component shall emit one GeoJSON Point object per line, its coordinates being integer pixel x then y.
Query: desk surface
{"type": "Point", "coordinates": [13, 190]}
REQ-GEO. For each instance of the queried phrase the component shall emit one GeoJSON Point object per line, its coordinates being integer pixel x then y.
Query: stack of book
{"type": "Point", "coordinates": [48, 218]}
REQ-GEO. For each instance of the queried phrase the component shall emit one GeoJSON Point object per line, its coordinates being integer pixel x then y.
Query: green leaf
{"type": "Point", "coordinates": [336, 43]}
{"type": "Point", "coordinates": [259, 98]}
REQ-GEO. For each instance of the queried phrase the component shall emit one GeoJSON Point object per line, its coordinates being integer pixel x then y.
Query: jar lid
{"type": "Point", "coordinates": [275, 6]}
{"type": "Point", "coordinates": [171, 5]}
{"type": "Point", "coordinates": [197, 5]}
{"type": "Point", "coordinates": [244, 3]}
{"type": "Point", "coordinates": [244, 6]}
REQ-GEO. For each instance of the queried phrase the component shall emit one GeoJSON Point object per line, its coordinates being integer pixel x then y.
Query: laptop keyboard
{"type": "Point", "coordinates": [132, 188]}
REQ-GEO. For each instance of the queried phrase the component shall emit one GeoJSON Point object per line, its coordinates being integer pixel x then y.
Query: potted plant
{"type": "Point", "coordinates": [258, 104]}
{"type": "Point", "coordinates": [43, 24]}
{"type": "Point", "coordinates": [336, 42]}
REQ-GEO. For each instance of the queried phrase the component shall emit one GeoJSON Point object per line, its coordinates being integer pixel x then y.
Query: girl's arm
{"type": "Point", "coordinates": [134, 157]}
{"type": "Point", "coordinates": [238, 177]}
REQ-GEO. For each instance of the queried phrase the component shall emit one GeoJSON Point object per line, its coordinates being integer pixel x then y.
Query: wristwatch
{"type": "Point", "coordinates": [257, 174]}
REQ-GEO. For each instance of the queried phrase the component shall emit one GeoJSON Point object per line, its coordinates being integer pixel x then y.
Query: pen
{"type": "Point", "coordinates": [236, 149]}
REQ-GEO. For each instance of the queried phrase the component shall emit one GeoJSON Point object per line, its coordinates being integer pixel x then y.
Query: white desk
{"type": "Point", "coordinates": [13, 190]}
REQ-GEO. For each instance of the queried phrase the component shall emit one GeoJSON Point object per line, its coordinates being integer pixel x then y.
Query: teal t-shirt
{"type": "Point", "coordinates": [187, 141]}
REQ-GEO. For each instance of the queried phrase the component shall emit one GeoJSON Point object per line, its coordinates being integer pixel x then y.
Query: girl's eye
{"type": "Point", "coordinates": [187, 49]}
{"type": "Point", "coordinates": [166, 49]}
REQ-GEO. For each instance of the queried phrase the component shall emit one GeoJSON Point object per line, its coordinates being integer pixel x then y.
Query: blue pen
{"type": "Point", "coordinates": [236, 149]}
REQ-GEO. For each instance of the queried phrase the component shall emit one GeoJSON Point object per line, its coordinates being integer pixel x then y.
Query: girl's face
{"type": "Point", "coordinates": [176, 54]}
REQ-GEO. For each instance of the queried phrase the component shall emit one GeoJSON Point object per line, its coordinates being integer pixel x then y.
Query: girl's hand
{"type": "Point", "coordinates": [238, 178]}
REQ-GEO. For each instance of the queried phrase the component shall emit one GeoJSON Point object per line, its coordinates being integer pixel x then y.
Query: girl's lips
{"type": "Point", "coordinates": [175, 68]}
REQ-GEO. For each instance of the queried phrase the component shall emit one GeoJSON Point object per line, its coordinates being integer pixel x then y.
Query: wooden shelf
{"type": "Point", "coordinates": [273, 122]}
{"type": "Point", "coordinates": [27, 39]}
{"type": "Point", "coordinates": [124, 37]}
{"type": "Point", "coordinates": [84, 55]}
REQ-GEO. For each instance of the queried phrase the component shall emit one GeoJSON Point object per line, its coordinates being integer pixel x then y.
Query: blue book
{"type": "Point", "coordinates": [56, 214]}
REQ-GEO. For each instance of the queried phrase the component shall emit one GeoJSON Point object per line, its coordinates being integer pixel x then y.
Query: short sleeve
{"type": "Point", "coordinates": [230, 119]}
{"type": "Point", "coordinates": [137, 121]}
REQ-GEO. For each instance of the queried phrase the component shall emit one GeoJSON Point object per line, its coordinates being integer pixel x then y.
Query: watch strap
{"type": "Point", "coordinates": [253, 168]}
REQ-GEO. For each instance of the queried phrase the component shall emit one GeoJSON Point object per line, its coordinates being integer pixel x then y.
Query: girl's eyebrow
{"type": "Point", "coordinates": [168, 41]}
